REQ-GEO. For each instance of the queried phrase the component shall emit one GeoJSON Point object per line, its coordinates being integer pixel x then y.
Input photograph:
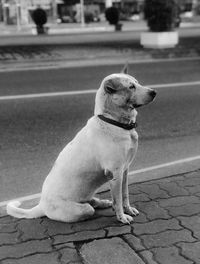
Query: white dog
{"type": "Point", "coordinates": [102, 151]}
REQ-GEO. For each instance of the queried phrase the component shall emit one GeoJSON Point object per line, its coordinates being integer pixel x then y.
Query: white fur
{"type": "Point", "coordinates": [100, 152]}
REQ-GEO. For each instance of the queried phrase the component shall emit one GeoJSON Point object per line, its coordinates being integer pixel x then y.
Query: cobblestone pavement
{"type": "Point", "coordinates": [166, 231]}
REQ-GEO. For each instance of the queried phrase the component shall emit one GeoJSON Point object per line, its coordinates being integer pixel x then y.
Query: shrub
{"type": "Point", "coordinates": [161, 15]}
{"type": "Point", "coordinates": [88, 17]}
{"type": "Point", "coordinates": [39, 17]}
{"type": "Point", "coordinates": [112, 15]}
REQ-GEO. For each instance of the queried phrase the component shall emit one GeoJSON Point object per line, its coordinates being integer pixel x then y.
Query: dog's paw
{"type": "Point", "coordinates": [100, 203]}
{"type": "Point", "coordinates": [125, 219]}
{"type": "Point", "coordinates": [131, 210]}
{"type": "Point", "coordinates": [106, 203]}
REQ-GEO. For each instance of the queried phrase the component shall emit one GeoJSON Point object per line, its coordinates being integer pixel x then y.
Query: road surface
{"type": "Point", "coordinates": [34, 130]}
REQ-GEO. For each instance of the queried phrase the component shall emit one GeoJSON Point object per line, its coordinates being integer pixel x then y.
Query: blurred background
{"type": "Point", "coordinates": [69, 11]}
{"type": "Point", "coordinates": [53, 56]}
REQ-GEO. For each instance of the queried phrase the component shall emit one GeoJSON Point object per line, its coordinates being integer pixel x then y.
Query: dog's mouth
{"type": "Point", "coordinates": [137, 105]}
{"type": "Point", "coordinates": [133, 105]}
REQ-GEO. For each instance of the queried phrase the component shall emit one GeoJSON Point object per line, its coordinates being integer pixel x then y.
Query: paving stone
{"type": "Point", "coordinates": [166, 238]}
{"type": "Point", "coordinates": [79, 236]}
{"type": "Point", "coordinates": [141, 218]}
{"type": "Point", "coordinates": [178, 201]}
{"type": "Point", "coordinates": [118, 230]}
{"type": "Point", "coordinates": [134, 189]}
{"type": "Point", "coordinates": [193, 189]}
{"type": "Point", "coordinates": [173, 189]}
{"type": "Point", "coordinates": [184, 210]}
{"type": "Point", "coordinates": [192, 175]}
{"type": "Point", "coordinates": [74, 262]}
{"type": "Point", "coordinates": [169, 255]}
{"type": "Point", "coordinates": [192, 179]}
{"type": "Point", "coordinates": [193, 223]}
{"type": "Point", "coordinates": [50, 258]}
{"type": "Point", "coordinates": [148, 257]}
{"type": "Point", "coordinates": [175, 179]}
{"type": "Point", "coordinates": [198, 194]}
{"type": "Point", "coordinates": [156, 226]}
{"type": "Point", "coordinates": [141, 197]}
{"type": "Point", "coordinates": [64, 245]}
{"type": "Point", "coordinates": [31, 229]}
{"type": "Point", "coordinates": [109, 251]}
{"type": "Point", "coordinates": [191, 251]}
{"type": "Point", "coordinates": [9, 238]}
{"type": "Point", "coordinates": [94, 224]}
{"type": "Point", "coordinates": [56, 227]}
{"type": "Point", "coordinates": [153, 211]}
{"type": "Point", "coordinates": [105, 212]}
{"type": "Point", "coordinates": [134, 242]}
{"type": "Point", "coordinates": [25, 248]}
{"type": "Point", "coordinates": [8, 228]}
{"type": "Point", "coordinates": [153, 191]}
{"type": "Point", "coordinates": [8, 219]}
{"type": "Point", "coordinates": [69, 254]}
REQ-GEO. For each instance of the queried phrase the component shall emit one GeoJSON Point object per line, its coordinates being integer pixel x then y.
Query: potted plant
{"type": "Point", "coordinates": [161, 17]}
{"type": "Point", "coordinates": [39, 17]}
{"type": "Point", "coordinates": [88, 17]}
{"type": "Point", "coordinates": [112, 16]}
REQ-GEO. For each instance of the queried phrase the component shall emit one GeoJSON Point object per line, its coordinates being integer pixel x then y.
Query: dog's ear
{"type": "Point", "coordinates": [110, 87]}
{"type": "Point", "coordinates": [125, 69]}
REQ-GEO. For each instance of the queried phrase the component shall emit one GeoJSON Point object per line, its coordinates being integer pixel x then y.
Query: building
{"type": "Point", "coordinates": [19, 11]}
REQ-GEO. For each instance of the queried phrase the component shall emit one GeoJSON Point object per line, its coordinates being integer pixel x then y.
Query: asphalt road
{"type": "Point", "coordinates": [33, 131]}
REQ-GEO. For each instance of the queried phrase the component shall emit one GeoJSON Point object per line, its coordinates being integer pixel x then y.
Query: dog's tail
{"type": "Point", "coordinates": [14, 210]}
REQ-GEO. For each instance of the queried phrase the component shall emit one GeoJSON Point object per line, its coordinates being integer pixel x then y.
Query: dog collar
{"type": "Point", "coordinates": [129, 126]}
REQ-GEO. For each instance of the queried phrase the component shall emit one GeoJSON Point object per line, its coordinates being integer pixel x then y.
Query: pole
{"type": "Point", "coordinates": [82, 13]}
{"type": "Point", "coordinates": [18, 15]}
{"type": "Point", "coordinates": [54, 7]}
{"type": "Point", "coordinates": [6, 13]}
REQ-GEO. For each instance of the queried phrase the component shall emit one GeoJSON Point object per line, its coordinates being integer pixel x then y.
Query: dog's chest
{"type": "Point", "coordinates": [132, 146]}
{"type": "Point", "coordinates": [134, 137]}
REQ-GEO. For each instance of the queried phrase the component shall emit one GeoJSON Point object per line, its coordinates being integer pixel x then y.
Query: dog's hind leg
{"type": "Point", "coordinates": [98, 203]}
{"type": "Point", "coordinates": [70, 212]}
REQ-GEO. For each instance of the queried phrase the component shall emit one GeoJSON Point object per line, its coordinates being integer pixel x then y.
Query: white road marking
{"type": "Point", "coordinates": [178, 84]}
{"type": "Point", "coordinates": [22, 199]}
{"type": "Point", "coordinates": [164, 165]}
{"type": "Point", "coordinates": [160, 166]}
{"type": "Point", "coordinates": [41, 95]}
{"type": "Point", "coordinates": [82, 92]}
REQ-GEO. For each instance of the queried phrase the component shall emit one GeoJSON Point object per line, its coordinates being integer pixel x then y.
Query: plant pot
{"type": "Point", "coordinates": [40, 30]}
{"type": "Point", "coordinates": [118, 27]}
{"type": "Point", "coordinates": [159, 40]}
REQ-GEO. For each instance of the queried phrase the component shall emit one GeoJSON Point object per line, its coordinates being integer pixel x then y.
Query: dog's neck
{"type": "Point", "coordinates": [124, 119]}
{"type": "Point", "coordinates": [124, 116]}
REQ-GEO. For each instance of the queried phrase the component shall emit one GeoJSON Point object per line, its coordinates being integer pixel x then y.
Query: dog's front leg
{"type": "Point", "coordinates": [116, 192]}
{"type": "Point", "coordinates": [125, 195]}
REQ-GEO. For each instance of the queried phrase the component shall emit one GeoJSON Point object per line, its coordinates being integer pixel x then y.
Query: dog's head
{"type": "Point", "coordinates": [121, 93]}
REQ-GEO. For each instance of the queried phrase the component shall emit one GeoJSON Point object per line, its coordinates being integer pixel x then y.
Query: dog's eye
{"type": "Point", "coordinates": [132, 86]}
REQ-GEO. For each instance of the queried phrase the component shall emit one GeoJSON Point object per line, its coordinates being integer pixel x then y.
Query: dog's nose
{"type": "Point", "coordinates": [153, 93]}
